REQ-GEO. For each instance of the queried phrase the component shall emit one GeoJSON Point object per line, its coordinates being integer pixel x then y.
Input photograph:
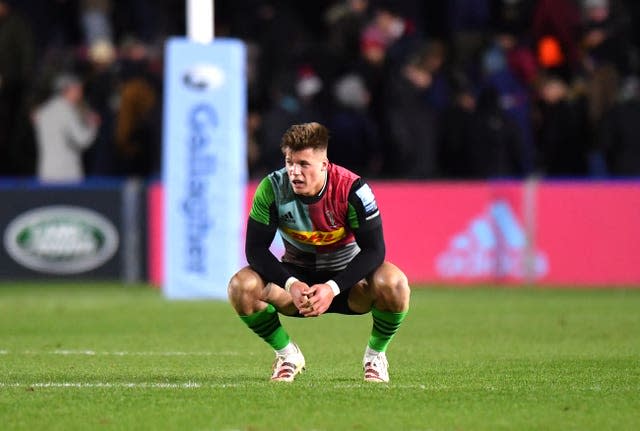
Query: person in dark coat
{"type": "Point", "coordinates": [561, 141]}
{"type": "Point", "coordinates": [355, 138]}
{"type": "Point", "coordinates": [495, 145]}
{"type": "Point", "coordinates": [412, 122]}
{"type": "Point", "coordinates": [454, 154]}
{"type": "Point", "coordinates": [620, 135]}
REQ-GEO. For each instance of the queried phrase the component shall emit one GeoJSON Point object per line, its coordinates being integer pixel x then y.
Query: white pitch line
{"type": "Point", "coordinates": [143, 385]}
{"type": "Point", "coordinates": [62, 352]}
{"type": "Point", "coordinates": [125, 353]}
{"type": "Point", "coordinates": [185, 385]}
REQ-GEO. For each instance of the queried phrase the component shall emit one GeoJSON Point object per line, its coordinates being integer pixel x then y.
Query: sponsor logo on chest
{"type": "Point", "coordinates": [316, 237]}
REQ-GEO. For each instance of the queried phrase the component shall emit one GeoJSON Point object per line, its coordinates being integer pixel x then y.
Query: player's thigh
{"type": "Point", "coordinates": [360, 300]}
{"type": "Point", "coordinates": [380, 283]}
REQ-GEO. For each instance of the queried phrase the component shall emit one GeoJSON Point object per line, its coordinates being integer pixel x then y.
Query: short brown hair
{"type": "Point", "coordinates": [302, 136]}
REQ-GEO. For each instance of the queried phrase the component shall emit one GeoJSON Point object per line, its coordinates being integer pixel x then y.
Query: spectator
{"type": "Point", "coordinates": [355, 140]}
{"type": "Point", "coordinates": [495, 142]}
{"type": "Point", "coordinates": [469, 22]}
{"type": "Point", "coordinates": [621, 132]}
{"type": "Point", "coordinates": [508, 75]}
{"type": "Point", "coordinates": [606, 38]}
{"type": "Point", "coordinates": [65, 128]}
{"type": "Point", "coordinates": [136, 135]}
{"type": "Point", "coordinates": [561, 140]}
{"type": "Point", "coordinates": [606, 46]}
{"type": "Point", "coordinates": [513, 15]}
{"type": "Point", "coordinates": [309, 90]}
{"type": "Point", "coordinates": [101, 81]}
{"type": "Point", "coordinates": [345, 22]}
{"type": "Point", "coordinates": [281, 40]}
{"type": "Point", "coordinates": [412, 123]}
{"type": "Point", "coordinates": [96, 23]}
{"type": "Point", "coordinates": [438, 94]}
{"type": "Point", "coordinates": [454, 154]}
{"type": "Point", "coordinates": [559, 19]}
{"type": "Point", "coordinates": [286, 109]}
{"type": "Point", "coordinates": [396, 33]}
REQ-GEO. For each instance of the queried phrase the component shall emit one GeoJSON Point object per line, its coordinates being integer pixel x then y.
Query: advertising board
{"type": "Point", "coordinates": [545, 233]}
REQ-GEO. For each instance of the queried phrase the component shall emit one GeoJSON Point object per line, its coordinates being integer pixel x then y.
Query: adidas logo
{"type": "Point", "coordinates": [494, 244]}
{"type": "Point", "coordinates": [287, 217]}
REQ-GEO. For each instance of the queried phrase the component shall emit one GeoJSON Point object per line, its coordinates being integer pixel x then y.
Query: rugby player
{"type": "Point", "coordinates": [334, 260]}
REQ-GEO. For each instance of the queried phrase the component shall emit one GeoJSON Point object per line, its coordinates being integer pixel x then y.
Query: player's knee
{"type": "Point", "coordinates": [392, 290]}
{"type": "Point", "coordinates": [243, 284]}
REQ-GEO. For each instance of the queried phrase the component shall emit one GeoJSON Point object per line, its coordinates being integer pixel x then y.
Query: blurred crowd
{"type": "Point", "coordinates": [81, 86]}
{"type": "Point", "coordinates": [415, 89]}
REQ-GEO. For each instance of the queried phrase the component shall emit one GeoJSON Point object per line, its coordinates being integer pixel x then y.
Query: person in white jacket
{"type": "Point", "coordinates": [65, 128]}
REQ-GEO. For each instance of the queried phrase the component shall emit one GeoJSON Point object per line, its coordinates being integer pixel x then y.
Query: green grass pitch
{"type": "Point", "coordinates": [106, 357]}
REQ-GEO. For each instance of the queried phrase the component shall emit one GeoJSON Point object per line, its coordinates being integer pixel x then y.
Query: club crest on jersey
{"type": "Point", "coordinates": [330, 218]}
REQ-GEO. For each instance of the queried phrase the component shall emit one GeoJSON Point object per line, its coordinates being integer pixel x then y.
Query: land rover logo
{"type": "Point", "coordinates": [61, 239]}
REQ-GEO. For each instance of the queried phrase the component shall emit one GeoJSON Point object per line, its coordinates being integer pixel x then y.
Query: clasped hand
{"type": "Point", "coordinates": [311, 301]}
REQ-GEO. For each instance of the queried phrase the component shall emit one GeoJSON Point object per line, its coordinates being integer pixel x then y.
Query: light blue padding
{"type": "Point", "coordinates": [204, 166]}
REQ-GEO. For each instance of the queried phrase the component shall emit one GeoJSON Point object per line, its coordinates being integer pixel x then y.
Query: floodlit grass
{"type": "Point", "coordinates": [101, 356]}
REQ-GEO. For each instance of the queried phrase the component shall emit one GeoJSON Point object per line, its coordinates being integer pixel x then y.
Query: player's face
{"type": "Point", "coordinates": [307, 170]}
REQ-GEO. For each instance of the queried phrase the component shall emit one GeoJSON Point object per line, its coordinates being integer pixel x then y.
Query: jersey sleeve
{"type": "Point", "coordinates": [363, 213]}
{"type": "Point", "coordinates": [263, 205]}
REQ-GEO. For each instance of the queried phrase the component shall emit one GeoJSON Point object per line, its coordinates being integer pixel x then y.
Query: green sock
{"type": "Point", "coordinates": [266, 324]}
{"type": "Point", "coordinates": [385, 326]}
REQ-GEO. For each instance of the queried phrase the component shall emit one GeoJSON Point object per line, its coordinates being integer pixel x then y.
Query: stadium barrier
{"type": "Point", "coordinates": [562, 233]}
{"type": "Point", "coordinates": [69, 232]}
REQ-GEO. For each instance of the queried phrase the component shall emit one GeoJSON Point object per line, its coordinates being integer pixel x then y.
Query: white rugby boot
{"type": "Point", "coordinates": [286, 367]}
{"type": "Point", "coordinates": [376, 368]}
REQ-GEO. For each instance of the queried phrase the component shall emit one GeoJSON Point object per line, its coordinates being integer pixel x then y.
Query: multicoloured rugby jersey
{"type": "Point", "coordinates": [318, 232]}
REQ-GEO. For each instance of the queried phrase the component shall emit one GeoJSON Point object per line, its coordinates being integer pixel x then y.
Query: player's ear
{"type": "Point", "coordinates": [325, 164]}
